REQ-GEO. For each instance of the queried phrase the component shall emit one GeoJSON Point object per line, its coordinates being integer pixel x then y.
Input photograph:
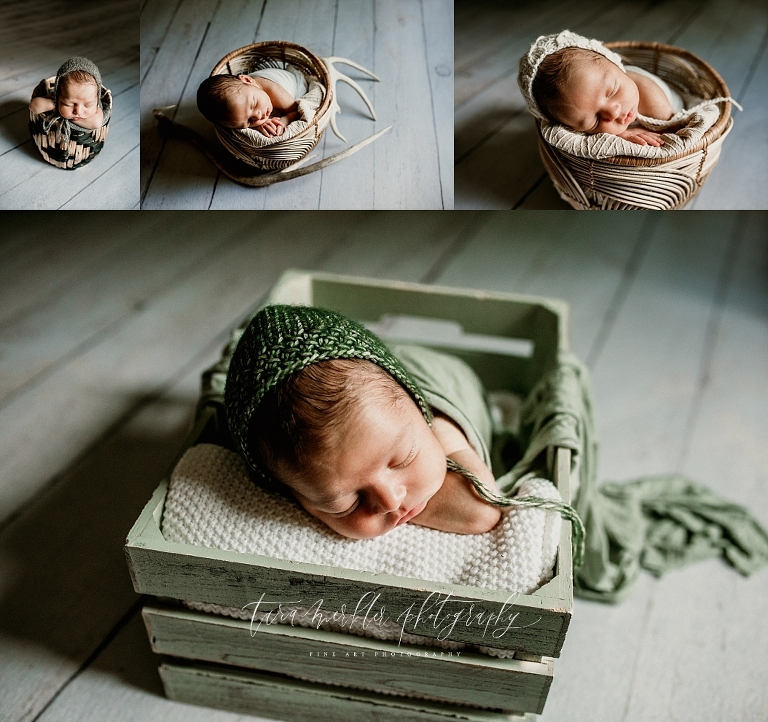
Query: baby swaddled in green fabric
{"type": "Point", "coordinates": [367, 438]}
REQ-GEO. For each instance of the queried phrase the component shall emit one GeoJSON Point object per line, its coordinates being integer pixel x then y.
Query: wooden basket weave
{"type": "Point", "coordinates": [628, 183]}
{"type": "Point", "coordinates": [84, 144]}
{"type": "Point", "coordinates": [276, 54]}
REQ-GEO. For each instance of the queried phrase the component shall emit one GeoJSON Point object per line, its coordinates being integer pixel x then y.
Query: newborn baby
{"type": "Point", "coordinates": [76, 94]}
{"type": "Point", "coordinates": [589, 91]}
{"type": "Point", "coordinates": [317, 403]}
{"type": "Point", "coordinates": [264, 100]}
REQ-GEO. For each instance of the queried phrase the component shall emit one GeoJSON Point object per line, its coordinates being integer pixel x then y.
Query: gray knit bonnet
{"type": "Point", "coordinates": [546, 45]}
{"type": "Point", "coordinates": [78, 63]}
{"type": "Point", "coordinates": [282, 340]}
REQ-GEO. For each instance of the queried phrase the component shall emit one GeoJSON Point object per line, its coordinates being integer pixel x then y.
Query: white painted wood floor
{"type": "Point", "coordinates": [36, 37]}
{"type": "Point", "coordinates": [407, 43]}
{"type": "Point", "coordinates": [103, 340]}
{"type": "Point", "coordinates": [497, 159]}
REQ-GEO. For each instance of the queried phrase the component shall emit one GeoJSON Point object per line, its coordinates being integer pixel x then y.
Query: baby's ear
{"type": "Point", "coordinates": [246, 79]}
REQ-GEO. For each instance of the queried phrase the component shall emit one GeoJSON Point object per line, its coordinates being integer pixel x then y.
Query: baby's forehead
{"type": "Point", "coordinates": [588, 62]}
{"type": "Point", "coordinates": [69, 85]}
{"type": "Point", "coordinates": [238, 95]}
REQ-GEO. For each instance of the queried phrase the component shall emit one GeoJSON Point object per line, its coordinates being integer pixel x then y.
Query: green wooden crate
{"type": "Point", "coordinates": [534, 625]}
{"type": "Point", "coordinates": [331, 658]}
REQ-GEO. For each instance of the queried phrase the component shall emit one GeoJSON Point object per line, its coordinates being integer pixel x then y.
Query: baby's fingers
{"type": "Point", "coordinates": [653, 139]}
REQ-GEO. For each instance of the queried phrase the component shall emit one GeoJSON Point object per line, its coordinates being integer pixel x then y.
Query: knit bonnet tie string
{"type": "Point", "coordinates": [537, 502]}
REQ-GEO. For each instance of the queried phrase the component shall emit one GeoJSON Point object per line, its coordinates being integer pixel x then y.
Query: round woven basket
{"type": "Point", "coordinates": [83, 145]}
{"type": "Point", "coordinates": [276, 54]}
{"type": "Point", "coordinates": [627, 183]}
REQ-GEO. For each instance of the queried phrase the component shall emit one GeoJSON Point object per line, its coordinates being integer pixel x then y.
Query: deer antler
{"type": "Point", "coordinates": [337, 75]}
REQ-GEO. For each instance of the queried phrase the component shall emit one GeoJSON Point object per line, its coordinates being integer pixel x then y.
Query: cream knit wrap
{"type": "Point", "coordinates": [699, 115]}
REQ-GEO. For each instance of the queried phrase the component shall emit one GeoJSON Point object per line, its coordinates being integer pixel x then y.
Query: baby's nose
{"type": "Point", "coordinates": [390, 497]}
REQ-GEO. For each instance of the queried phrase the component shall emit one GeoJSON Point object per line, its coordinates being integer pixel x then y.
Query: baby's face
{"type": "Point", "coordinates": [248, 106]}
{"type": "Point", "coordinates": [601, 98]}
{"type": "Point", "coordinates": [78, 101]}
{"type": "Point", "coordinates": [383, 468]}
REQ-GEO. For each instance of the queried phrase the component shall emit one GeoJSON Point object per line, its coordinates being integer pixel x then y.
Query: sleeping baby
{"type": "Point", "coordinates": [76, 94]}
{"type": "Point", "coordinates": [358, 434]}
{"type": "Point", "coordinates": [579, 83]}
{"type": "Point", "coordinates": [265, 100]}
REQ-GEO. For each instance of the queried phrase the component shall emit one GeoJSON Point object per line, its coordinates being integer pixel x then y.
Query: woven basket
{"type": "Point", "coordinates": [627, 183]}
{"type": "Point", "coordinates": [84, 144]}
{"type": "Point", "coordinates": [276, 54]}
{"type": "Point", "coordinates": [286, 158]}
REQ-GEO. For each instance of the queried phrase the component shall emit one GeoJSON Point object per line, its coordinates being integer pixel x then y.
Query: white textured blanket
{"type": "Point", "coordinates": [212, 502]}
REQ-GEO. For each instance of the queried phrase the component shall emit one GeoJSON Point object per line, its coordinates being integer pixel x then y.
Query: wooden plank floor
{"type": "Point", "coordinates": [103, 341]}
{"type": "Point", "coordinates": [407, 43]}
{"type": "Point", "coordinates": [36, 38]}
{"type": "Point", "coordinates": [497, 160]}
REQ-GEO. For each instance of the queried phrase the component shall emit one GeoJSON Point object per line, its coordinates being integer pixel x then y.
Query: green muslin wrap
{"type": "Point", "coordinates": [655, 523]}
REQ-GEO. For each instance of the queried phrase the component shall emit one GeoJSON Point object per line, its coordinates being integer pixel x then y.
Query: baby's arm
{"type": "Point", "coordinates": [457, 507]}
{"type": "Point", "coordinates": [41, 105]}
{"type": "Point", "coordinates": [653, 101]}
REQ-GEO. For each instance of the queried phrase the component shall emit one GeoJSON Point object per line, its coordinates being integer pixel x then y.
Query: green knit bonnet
{"type": "Point", "coordinates": [282, 340]}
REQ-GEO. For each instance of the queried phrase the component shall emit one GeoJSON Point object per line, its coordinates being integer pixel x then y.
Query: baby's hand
{"type": "Point", "coordinates": [272, 126]}
{"type": "Point", "coordinates": [640, 136]}
{"type": "Point", "coordinates": [41, 105]}
{"type": "Point", "coordinates": [457, 507]}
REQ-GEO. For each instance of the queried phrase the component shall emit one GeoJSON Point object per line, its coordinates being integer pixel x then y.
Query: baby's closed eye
{"type": "Point", "coordinates": [408, 459]}
{"type": "Point", "coordinates": [350, 508]}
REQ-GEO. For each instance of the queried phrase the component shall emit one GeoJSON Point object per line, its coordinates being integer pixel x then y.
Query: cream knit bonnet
{"type": "Point", "coordinates": [546, 45]}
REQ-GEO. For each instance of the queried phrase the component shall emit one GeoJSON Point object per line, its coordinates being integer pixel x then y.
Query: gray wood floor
{"type": "Point", "coordinates": [497, 160]}
{"type": "Point", "coordinates": [407, 43]}
{"type": "Point", "coordinates": [103, 341]}
{"type": "Point", "coordinates": [36, 37]}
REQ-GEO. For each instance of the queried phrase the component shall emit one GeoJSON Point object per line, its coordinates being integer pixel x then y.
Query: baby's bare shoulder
{"type": "Point", "coordinates": [279, 96]}
{"type": "Point", "coordinates": [653, 101]}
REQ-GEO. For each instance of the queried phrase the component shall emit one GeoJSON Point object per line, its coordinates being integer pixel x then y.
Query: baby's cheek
{"type": "Point", "coordinates": [366, 526]}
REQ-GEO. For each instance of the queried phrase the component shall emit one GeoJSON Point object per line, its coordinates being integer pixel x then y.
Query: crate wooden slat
{"type": "Point", "coordinates": [326, 657]}
{"type": "Point", "coordinates": [278, 698]}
